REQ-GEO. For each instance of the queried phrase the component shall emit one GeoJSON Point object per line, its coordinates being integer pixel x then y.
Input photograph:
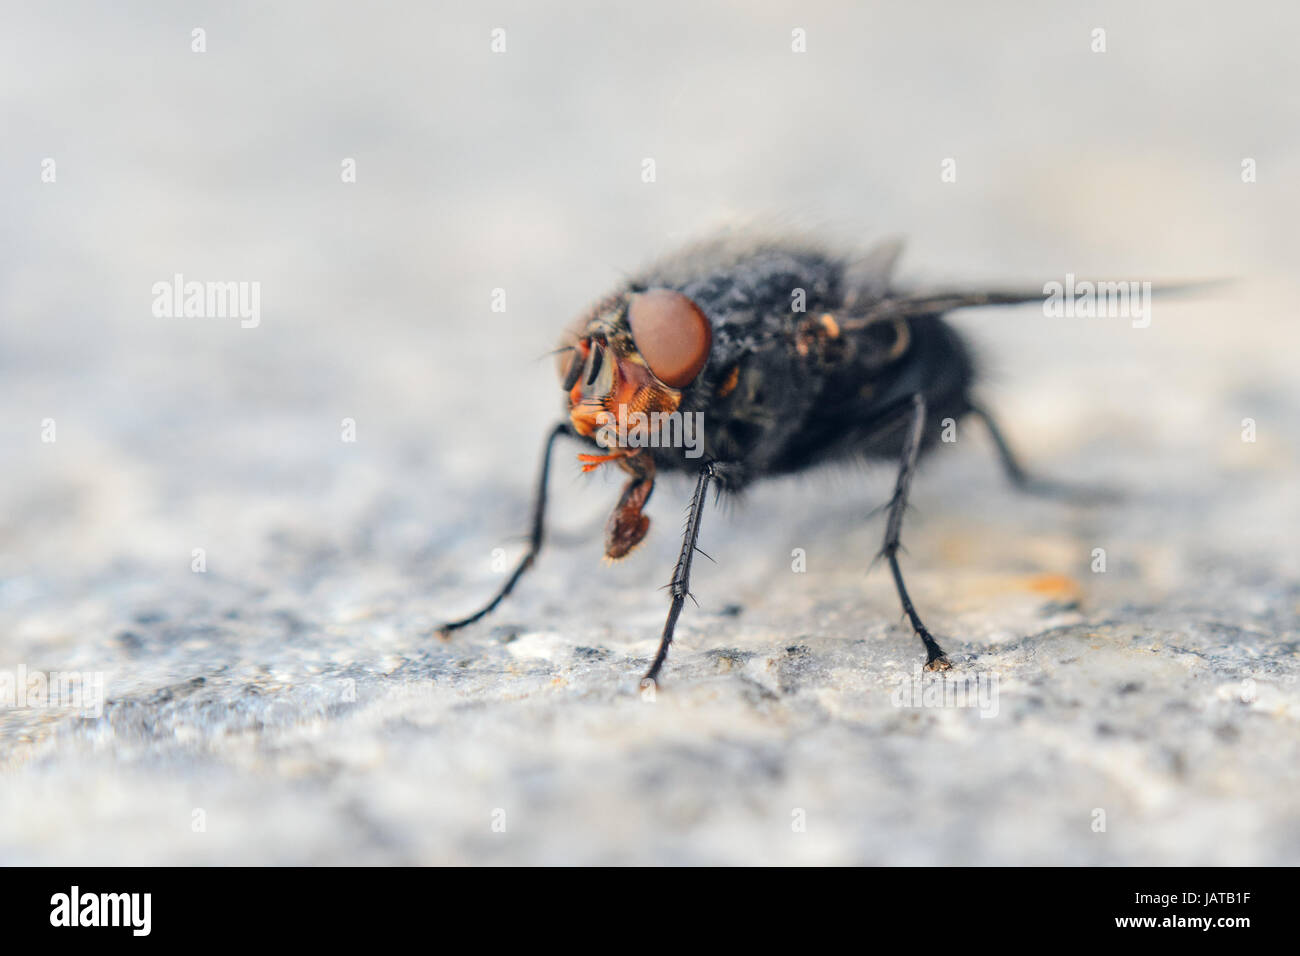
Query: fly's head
{"type": "Point", "coordinates": [630, 357]}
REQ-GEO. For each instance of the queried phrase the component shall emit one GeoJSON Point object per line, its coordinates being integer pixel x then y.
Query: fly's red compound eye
{"type": "Point", "coordinates": [672, 335]}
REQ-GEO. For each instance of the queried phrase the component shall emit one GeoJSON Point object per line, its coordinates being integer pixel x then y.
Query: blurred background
{"type": "Point", "coordinates": [292, 691]}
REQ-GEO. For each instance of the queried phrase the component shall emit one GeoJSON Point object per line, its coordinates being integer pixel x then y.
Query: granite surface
{"type": "Point", "coordinates": [184, 519]}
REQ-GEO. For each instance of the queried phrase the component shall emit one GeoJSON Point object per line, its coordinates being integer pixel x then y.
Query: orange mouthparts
{"type": "Point", "coordinates": [627, 525]}
{"type": "Point", "coordinates": [592, 462]}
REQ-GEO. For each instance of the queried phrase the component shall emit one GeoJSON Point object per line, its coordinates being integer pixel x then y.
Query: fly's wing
{"type": "Point", "coordinates": [866, 279]}
{"type": "Point", "coordinates": [868, 295]}
{"type": "Point", "coordinates": [939, 302]}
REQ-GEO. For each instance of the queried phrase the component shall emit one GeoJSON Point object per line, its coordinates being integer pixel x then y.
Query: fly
{"type": "Point", "coordinates": [791, 357]}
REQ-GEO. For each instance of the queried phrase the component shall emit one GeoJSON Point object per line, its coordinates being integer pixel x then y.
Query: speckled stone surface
{"type": "Point", "coordinates": [289, 704]}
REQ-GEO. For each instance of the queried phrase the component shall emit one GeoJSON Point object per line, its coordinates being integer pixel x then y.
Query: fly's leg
{"type": "Point", "coordinates": [1010, 463]}
{"type": "Point", "coordinates": [534, 541]}
{"type": "Point", "coordinates": [680, 586]}
{"type": "Point", "coordinates": [1025, 482]}
{"type": "Point", "coordinates": [936, 659]}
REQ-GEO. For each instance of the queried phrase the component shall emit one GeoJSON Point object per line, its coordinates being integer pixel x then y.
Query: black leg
{"type": "Point", "coordinates": [681, 583]}
{"type": "Point", "coordinates": [1023, 481]}
{"type": "Point", "coordinates": [1010, 464]}
{"type": "Point", "coordinates": [534, 542]}
{"type": "Point", "coordinates": [935, 657]}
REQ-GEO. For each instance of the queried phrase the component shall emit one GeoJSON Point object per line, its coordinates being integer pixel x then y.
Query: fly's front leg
{"type": "Point", "coordinates": [534, 540]}
{"type": "Point", "coordinates": [936, 659]}
{"type": "Point", "coordinates": [680, 585]}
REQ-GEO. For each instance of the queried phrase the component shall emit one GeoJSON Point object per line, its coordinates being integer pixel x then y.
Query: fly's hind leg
{"type": "Point", "coordinates": [534, 539]}
{"type": "Point", "coordinates": [1030, 484]}
{"type": "Point", "coordinates": [936, 659]}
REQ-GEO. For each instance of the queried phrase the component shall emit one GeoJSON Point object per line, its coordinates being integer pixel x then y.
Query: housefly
{"type": "Point", "coordinates": [788, 356]}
